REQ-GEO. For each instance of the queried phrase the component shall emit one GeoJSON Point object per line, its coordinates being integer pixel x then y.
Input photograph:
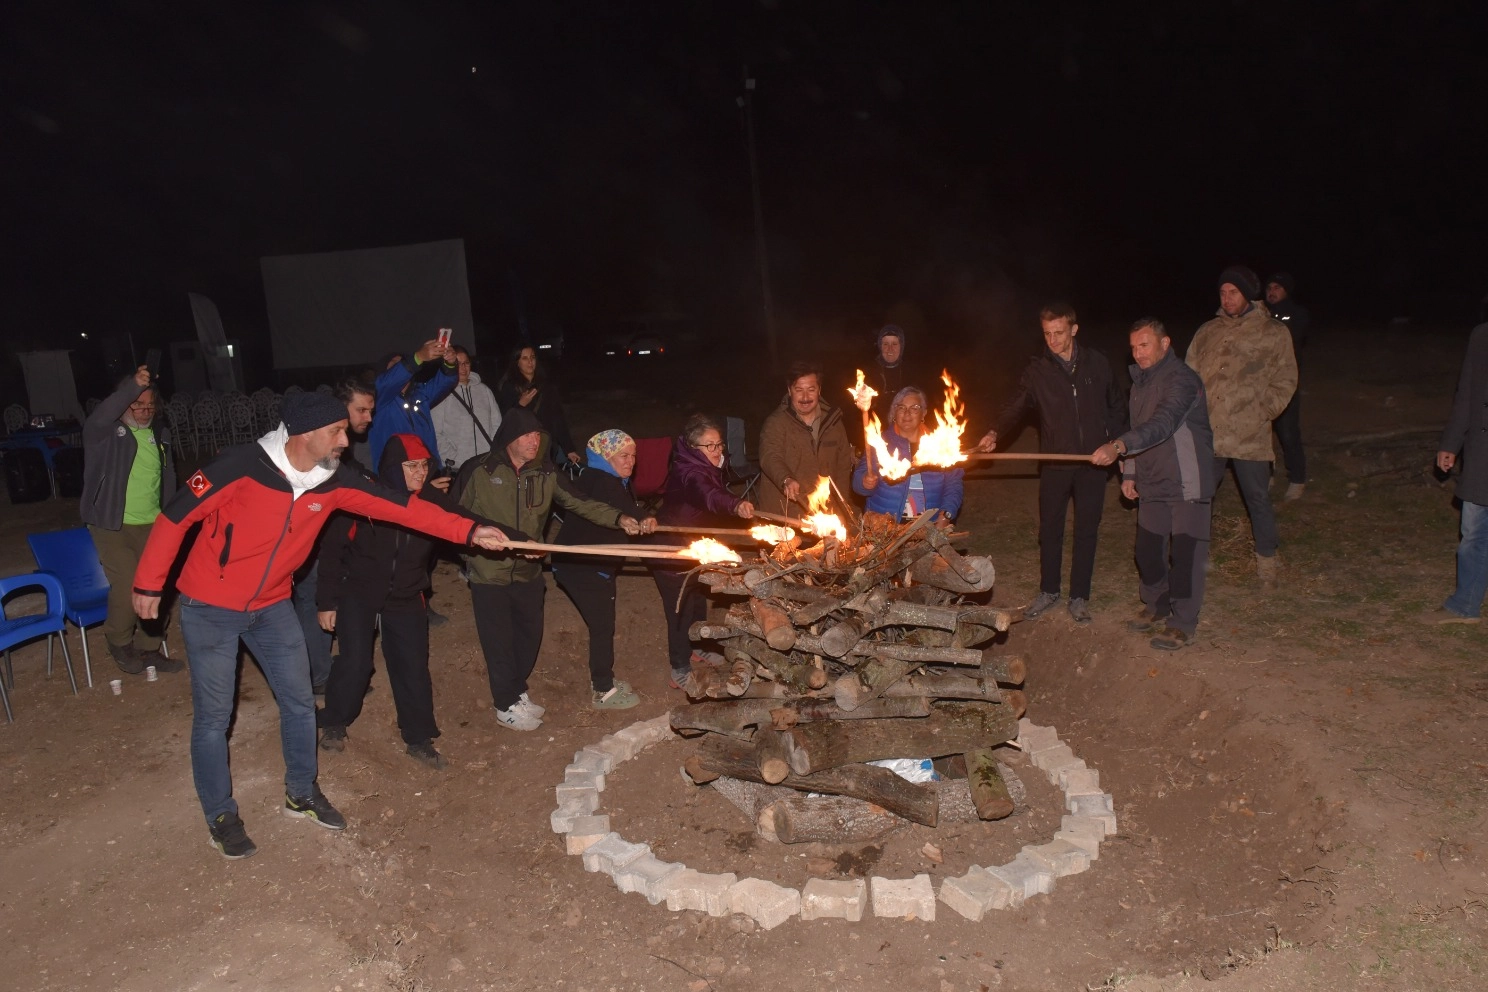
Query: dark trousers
{"type": "Point", "coordinates": [1254, 481]}
{"type": "Point", "coordinates": [317, 639]}
{"type": "Point", "coordinates": [1172, 550]}
{"type": "Point", "coordinates": [405, 650]}
{"type": "Point", "coordinates": [509, 622]}
{"type": "Point", "coordinates": [679, 621]}
{"type": "Point", "coordinates": [593, 592]}
{"type": "Point", "coordinates": [1086, 485]}
{"type": "Point", "coordinates": [119, 552]}
{"type": "Point", "coordinates": [1289, 433]}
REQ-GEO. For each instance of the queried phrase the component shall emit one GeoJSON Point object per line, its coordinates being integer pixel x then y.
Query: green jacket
{"type": "Point", "coordinates": [522, 499]}
{"type": "Point", "coordinates": [1250, 374]}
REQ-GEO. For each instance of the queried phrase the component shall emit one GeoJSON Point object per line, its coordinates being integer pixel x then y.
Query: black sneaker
{"type": "Point", "coordinates": [424, 752]}
{"type": "Point", "coordinates": [316, 808]}
{"type": "Point", "coordinates": [127, 658]}
{"type": "Point", "coordinates": [229, 837]}
{"type": "Point", "coordinates": [333, 739]}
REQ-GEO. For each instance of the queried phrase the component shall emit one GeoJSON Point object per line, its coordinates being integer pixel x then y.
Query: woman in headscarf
{"type": "Point", "coordinates": [695, 496]}
{"type": "Point", "coordinates": [527, 384]}
{"type": "Point", "coordinates": [589, 580]}
{"type": "Point", "coordinates": [922, 489]}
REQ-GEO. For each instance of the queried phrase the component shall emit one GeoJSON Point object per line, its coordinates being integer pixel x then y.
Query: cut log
{"type": "Point", "coordinates": [840, 638]}
{"type": "Point", "coordinates": [696, 770]}
{"type": "Point", "coordinates": [783, 717]}
{"type": "Point", "coordinates": [869, 681]}
{"type": "Point", "coordinates": [1010, 669]}
{"type": "Point", "coordinates": [826, 820]}
{"type": "Point", "coordinates": [1014, 700]}
{"type": "Point", "coordinates": [975, 575]}
{"type": "Point", "coordinates": [920, 655]}
{"type": "Point", "coordinates": [943, 687]}
{"type": "Point", "coordinates": [741, 675]}
{"type": "Point", "coordinates": [739, 717]}
{"type": "Point", "coordinates": [772, 755]}
{"type": "Point", "coordinates": [989, 793]}
{"type": "Point", "coordinates": [951, 728]}
{"type": "Point", "coordinates": [991, 616]}
{"type": "Point", "coordinates": [785, 668]}
{"type": "Point", "coordinates": [774, 625]}
{"type": "Point", "coordinates": [721, 756]}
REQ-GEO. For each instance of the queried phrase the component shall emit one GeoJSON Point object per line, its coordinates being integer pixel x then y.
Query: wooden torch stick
{"type": "Point", "coordinates": [608, 550]}
{"type": "Point", "coordinates": [777, 518]}
{"type": "Point", "coordinates": [701, 531]}
{"type": "Point", "coordinates": [1031, 456]}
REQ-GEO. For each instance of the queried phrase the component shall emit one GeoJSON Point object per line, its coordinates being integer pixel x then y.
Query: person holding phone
{"type": "Point", "coordinates": [526, 384]}
{"type": "Point", "coordinates": [407, 395]}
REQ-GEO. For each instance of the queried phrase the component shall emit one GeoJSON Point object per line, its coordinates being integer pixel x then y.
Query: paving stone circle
{"type": "Point", "coordinates": [1091, 818]}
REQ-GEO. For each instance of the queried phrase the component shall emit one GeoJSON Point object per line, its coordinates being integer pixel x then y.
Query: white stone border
{"type": "Point", "coordinates": [587, 833]}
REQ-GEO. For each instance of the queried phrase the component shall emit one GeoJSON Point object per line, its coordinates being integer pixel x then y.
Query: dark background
{"type": "Point", "coordinates": [947, 165]}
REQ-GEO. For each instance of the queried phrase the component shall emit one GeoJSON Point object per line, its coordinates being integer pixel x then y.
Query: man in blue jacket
{"type": "Point", "coordinates": [1168, 467]}
{"type": "Point", "coordinates": [406, 395]}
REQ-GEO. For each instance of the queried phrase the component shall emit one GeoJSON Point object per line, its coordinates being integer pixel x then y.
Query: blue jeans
{"type": "Point", "coordinates": [1254, 481]}
{"type": "Point", "coordinates": [1472, 562]}
{"type": "Point", "coordinates": [273, 635]}
{"type": "Point", "coordinates": [317, 640]}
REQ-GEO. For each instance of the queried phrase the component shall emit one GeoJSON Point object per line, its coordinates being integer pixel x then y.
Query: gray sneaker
{"type": "Point", "coordinates": [1040, 605]}
{"type": "Point", "coordinates": [1079, 611]}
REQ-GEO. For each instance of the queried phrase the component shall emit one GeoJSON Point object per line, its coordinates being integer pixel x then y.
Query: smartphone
{"type": "Point", "coordinates": [152, 362]}
{"type": "Point", "coordinates": [444, 337]}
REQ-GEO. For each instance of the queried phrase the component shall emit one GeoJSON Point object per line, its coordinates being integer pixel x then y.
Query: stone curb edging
{"type": "Point", "coordinates": [633, 868]}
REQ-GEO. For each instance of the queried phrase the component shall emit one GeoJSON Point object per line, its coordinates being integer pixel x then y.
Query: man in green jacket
{"type": "Point", "coordinates": [517, 486]}
{"type": "Point", "coordinates": [1250, 372]}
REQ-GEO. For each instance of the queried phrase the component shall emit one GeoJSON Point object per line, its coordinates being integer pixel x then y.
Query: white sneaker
{"type": "Point", "coordinates": [516, 719]}
{"type": "Point", "coordinates": [526, 705]}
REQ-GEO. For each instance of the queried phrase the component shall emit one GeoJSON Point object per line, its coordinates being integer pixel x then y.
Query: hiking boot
{"type": "Point", "coordinates": [333, 739]}
{"type": "Point", "coordinates": [1146, 622]}
{"type": "Point", "coordinates": [130, 661]}
{"type": "Point", "coordinates": [162, 664]}
{"type": "Point", "coordinates": [1040, 605]}
{"type": "Point", "coordinates": [516, 718]}
{"type": "Point", "coordinates": [1442, 615]}
{"type": "Point", "coordinates": [316, 808]}
{"type": "Point", "coordinates": [620, 697]}
{"type": "Point", "coordinates": [1079, 611]}
{"type": "Point", "coordinates": [526, 705]}
{"type": "Point", "coordinates": [230, 838]}
{"type": "Point", "coordinates": [424, 752]}
{"type": "Point", "coordinates": [1171, 639]}
{"type": "Point", "coordinates": [1294, 490]}
{"type": "Point", "coordinates": [1269, 570]}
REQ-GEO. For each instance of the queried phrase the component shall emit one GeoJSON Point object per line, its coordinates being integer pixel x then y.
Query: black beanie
{"type": "Point", "coordinates": [1242, 279]}
{"type": "Point", "coordinates": [306, 412]}
{"type": "Point", "coordinates": [1284, 280]}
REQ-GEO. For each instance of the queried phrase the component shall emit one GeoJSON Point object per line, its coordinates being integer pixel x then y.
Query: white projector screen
{"type": "Point", "coordinates": [352, 307]}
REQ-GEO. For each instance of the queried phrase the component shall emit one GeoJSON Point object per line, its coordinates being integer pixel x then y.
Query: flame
{"type": "Point", "coordinates": [862, 393]}
{"type": "Point", "coordinates": [818, 521]}
{"type": "Point", "coordinates": [942, 446]}
{"type": "Point", "coordinates": [709, 551]}
{"type": "Point", "coordinates": [890, 465]}
{"type": "Point", "coordinates": [771, 534]}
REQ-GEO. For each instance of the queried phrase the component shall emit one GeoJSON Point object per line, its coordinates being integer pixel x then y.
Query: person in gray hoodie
{"type": "Point", "coordinates": [1168, 467]}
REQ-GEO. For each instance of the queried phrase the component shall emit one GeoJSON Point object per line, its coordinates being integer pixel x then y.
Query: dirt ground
{"type": "Point", "coordinates": [1300, 794]}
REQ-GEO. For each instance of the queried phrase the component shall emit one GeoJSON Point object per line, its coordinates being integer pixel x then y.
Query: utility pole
{"type": "Point", "coordinates": [746, 106]}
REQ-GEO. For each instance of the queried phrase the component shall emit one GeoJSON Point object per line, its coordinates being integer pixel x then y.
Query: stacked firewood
{"type": "Point", "coordinates": [852, 651]}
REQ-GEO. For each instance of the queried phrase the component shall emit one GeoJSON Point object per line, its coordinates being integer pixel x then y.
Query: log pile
{"type": "Point", "coordinates": [847, 652]}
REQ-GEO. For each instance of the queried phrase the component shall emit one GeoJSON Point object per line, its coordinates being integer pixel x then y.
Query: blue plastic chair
{"type": "Point", "coordinates": [71, 556]}
{"type": "Point", "coordinates": [28, 628]}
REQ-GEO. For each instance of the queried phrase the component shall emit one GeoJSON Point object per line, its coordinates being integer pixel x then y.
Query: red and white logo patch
{"type": "Point", "coordinates": [314, 507]}
{"type": "Point", "coordinates": [199, 484]}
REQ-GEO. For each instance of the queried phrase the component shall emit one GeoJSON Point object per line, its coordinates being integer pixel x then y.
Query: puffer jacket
{"type": "Point", "coordinates": [521, 500]}
{"type": "Point", "coordinates": [696, 494]}
{"type": "Point", "coordinates": [1250, 373]}
{"type": "Point", "coordinates": [1467, 428]}
{"type": "Point", "coordinates": [109, 450]}
{"type": "Point", "coordinates": [788, 450]}
{"type": "Point", "coordinates": [1169, 448]}
{"type": "Point", "coordinates": [942, 486]}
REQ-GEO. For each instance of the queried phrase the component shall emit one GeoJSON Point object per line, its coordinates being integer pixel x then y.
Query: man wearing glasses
{"type": "Point", "coordinates": [127, 473]}
{"type": "Point", "coordinates": [1079, 408]}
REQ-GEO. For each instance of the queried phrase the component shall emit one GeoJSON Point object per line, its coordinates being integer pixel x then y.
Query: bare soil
{"type": "Point", "coordinates": [1301, 793]}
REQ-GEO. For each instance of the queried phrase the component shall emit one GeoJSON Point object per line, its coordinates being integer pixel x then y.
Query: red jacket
{"type": "Point", "coordinates": [255, 534]}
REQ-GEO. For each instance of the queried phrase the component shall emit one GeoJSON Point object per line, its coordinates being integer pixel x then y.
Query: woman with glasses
{"type": "Point", "coordinates": [695, 496]}
{"type": "Point", "coordinates": [922, 489]}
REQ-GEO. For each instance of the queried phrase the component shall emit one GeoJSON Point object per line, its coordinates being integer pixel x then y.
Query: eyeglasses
{"type": "Point", "coordinates": [912, 407]}
{"type": "Point", "coordinates": [418, 465]}
{"type": "Point", "coordinates": [142, 408]}
{"type": "Point", "coordinates": [712, 446]}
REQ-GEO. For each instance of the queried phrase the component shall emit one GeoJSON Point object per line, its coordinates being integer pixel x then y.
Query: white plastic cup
{"type": "Point", "coordinates": [118, 686]}
{"type": "Point", "coordinates": [150, 675]}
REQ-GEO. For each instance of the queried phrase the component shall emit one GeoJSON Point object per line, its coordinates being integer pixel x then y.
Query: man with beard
{"type": "Point", "coordinates": [802, 441]}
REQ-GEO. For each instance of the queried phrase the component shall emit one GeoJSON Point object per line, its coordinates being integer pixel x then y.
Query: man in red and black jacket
{"type": "Point", "coordinates": [260, 507]}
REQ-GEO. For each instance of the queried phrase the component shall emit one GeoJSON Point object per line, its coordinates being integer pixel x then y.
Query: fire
{"type": "Point", "coordinates": [709, 551]}
{"type": "Point", "coordinates": [771, 534]}
{"type": "Point", "coordinates": [890, 465]}
{"type": "Point", "coordinates": [942, 446]}
{"type": "Point", "coordinates": [862, 393]}
{"type": "Point", "coordinates": [818, 520]}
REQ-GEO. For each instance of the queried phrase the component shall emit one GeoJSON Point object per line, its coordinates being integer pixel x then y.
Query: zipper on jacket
{"type": "Point", "coordinates": [226, 555]}
{"type": "Point", "coordinates": [272, 552]}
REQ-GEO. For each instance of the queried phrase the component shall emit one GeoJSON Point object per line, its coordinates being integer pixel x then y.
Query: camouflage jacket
{"type": "Point", "coordinates": [1249, 373]}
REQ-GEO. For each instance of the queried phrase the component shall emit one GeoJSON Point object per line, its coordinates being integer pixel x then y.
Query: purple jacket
{"type": "Point", "coordinates": [695, 494]}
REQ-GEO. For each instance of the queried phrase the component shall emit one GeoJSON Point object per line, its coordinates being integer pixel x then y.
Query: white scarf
{"type": "Point", "coordinates": [273, 443]}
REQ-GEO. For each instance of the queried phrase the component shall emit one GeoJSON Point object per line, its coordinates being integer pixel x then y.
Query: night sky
{"type": "Point", "coordinates": [951, 164]}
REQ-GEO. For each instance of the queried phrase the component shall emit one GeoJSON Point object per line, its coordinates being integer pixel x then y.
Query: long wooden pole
{"type": "Point", "coordinates": [704, 531]}
{"type": "Point", "coordinates": [1031, 456]}
{"type": "Point", "coordinates": [608, 550]}
{"type": "Point", "coordinates": [778, 518]}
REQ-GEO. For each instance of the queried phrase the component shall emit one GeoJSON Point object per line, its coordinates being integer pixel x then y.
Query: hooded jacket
{"type": "Point", "coordinates": [1079, 409]}
{"type": "Point", "coordinates": [1169, 448]}
{"type": "Point", "coordinates": [400, 412]}
{"type": "Point", "coordinates": [109, 451]}
{"type": "Point", "coordinates": [1467, 428]}
{"type": "Point", "coordinates": [459, 439]}
{"type": "Point", "coordinates": [943, 487]}
{"type": "Point", "coordinates": [381, 564]}
{"type": "Point", "coordinates": [696, 494]}
{"type": "Point", "coordinates": [888, 379]}
{"type": "Point", "coordinates": [521, 499]}
{"type": "Point", "coordinates": [1249, 372]}
{"type": "Point", "coordinates": [598, 482]}
{"type": "Point", "coordinates": [789, 450]}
